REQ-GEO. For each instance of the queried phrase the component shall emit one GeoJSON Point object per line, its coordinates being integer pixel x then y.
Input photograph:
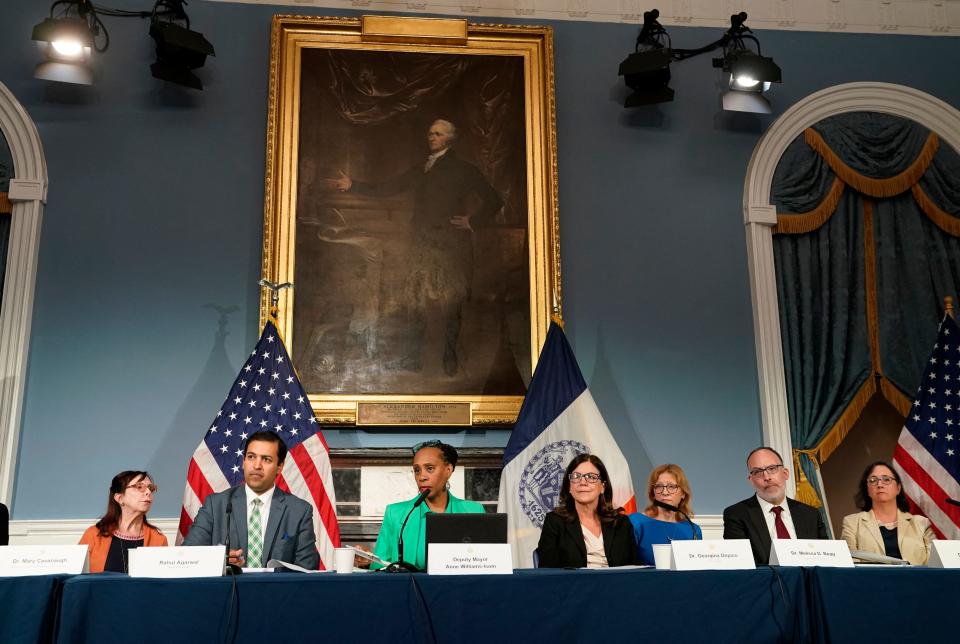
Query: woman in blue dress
{"type": "Point", "coordinates": [657, 524]}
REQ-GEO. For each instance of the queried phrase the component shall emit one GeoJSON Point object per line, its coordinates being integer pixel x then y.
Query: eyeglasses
{"type": "Point", "coordinates": [143, 488]}
{"type": "Point", "coordinates": [589, 477]}
{"type": "Point", "coordinates": [769, 470]}
{"type": "Point", "coordinates": [877, 480]}
{"type": "Point", "coordinates": [419, 446]}
{"type": "Point", "coordinates": [669, 488]}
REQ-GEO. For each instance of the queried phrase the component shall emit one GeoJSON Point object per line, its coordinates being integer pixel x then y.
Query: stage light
{"type": "Point", "coordinates": [747, 74]}
{"type": "Point", "coordinates": [738, 101]}
{"type": "Point", "coordinates": [67, 42]}
{"type": "Point", "coordinates": [179, 50]}
{"type": "Point", "coordinates": [647, 70]}
{"type": "Point", "coordinates": [74, 31]}
{"type": "Point", "coordinates": [752, 71]}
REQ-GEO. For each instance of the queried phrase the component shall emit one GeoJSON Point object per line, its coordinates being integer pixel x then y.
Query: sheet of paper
{"type": "Point", "coordinates": [276, 563]}
{"type": "Point", "coordinates": [369, 556]}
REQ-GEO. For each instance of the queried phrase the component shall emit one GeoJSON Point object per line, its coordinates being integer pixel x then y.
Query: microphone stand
{"type": "Point", "coordinates": [229, 568]}
{"type": "Point", "coordinates": [400, 565]}
{"type": "Point", "coordinates": [673, 508]}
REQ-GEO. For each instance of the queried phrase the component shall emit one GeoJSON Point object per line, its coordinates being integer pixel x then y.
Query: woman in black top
{"type": "Point", "coordinates": [586, 531]}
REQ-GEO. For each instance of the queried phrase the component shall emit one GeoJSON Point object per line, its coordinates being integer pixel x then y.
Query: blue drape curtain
{"type": "Point", "coordinates": [866, 245]}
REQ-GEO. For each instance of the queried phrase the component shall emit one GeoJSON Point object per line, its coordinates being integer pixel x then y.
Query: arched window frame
{"type": "Point", "coordinates": [28, 193]}
{"type": "Point", "coordinates": [760, 216]}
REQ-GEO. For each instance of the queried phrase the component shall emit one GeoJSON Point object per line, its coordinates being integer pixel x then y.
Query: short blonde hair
{"type": "Point", "coordinates": [677, 472]}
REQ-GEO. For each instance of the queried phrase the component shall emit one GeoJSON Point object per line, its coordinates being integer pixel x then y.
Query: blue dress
{"type": "Point", "coordinates": [649, 531]}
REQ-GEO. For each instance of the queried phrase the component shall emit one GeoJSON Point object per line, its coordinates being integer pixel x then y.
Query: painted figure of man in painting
{"type": "Point", "coordinates": [451, 200]}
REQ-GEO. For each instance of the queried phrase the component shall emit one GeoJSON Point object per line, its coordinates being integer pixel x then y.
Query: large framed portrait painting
{"type": "Point", "coordinates": [411, 200]}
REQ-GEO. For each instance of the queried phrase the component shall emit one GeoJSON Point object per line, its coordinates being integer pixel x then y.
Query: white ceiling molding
{"type": "Point", "coordinates": [28, 192]}
{"type": "Point", "coordinates": [760, 217]}
{"type": "Point", "coordinates": [912, 17]}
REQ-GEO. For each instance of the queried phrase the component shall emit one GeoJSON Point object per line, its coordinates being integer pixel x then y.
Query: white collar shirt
{"type": "Point", "coordinates": [432, 158]}
{"type": "Point", "coordinates": [770, 517]}
{"type": "Point", "coordinates": [266, 497]}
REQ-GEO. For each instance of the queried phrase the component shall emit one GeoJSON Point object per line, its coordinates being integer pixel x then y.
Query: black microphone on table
{"type": "Point", "coordinates": [673, 508]}
{"type": "Point", "coordinates": [231, 569]}
{"type": "Point", "coordinates": [400, 565]}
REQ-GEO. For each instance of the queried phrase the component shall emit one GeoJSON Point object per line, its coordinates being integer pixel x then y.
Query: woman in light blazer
{"type": "Point", "coordinates": [885, 527]}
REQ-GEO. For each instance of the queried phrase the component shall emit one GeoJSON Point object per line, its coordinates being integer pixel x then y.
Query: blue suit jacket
{"type": "Point", "coordinates": [288, 535]}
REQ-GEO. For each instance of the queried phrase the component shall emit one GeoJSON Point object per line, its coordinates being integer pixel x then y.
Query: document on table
{"type": "Point", "coordinates": [874, 558]}
{"type": "Point", "coordinates": [276, 563]}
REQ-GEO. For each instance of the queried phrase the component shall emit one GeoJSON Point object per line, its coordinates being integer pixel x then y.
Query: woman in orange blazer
{"type": "Point", "coordinates": [124, 526]}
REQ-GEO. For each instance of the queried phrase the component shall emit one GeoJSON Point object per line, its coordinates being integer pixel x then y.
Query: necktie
{"type": "Point", "coordinates": [779, 524]}
{"type": "Point", "coordinates": [255, 536]}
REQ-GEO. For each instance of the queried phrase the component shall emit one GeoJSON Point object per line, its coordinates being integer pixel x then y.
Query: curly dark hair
{"type": "Point", "coordinates": [566, 509]}
{"type": "Point", "coordinates": [863, 500]}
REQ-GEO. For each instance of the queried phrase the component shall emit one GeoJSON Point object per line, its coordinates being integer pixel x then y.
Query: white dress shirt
{"type": "Point", "coordinates": [432, 158]}
{"type": "Point", "coordinates": [265, 498]}
{"type": "Point", "coordinates": [596, 555]}
{"type": "Point", "coordinates": [766, 506]}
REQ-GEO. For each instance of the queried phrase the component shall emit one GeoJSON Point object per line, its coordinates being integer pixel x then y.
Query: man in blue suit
{"type": "Point", "coordinates": [267, 522]}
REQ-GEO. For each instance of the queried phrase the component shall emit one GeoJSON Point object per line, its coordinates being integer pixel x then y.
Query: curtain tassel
{"type": "Point", "coordinates": [805, 491]}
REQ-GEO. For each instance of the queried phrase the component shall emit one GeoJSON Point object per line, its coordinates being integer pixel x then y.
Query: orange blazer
{"type": "Point", "coordinates": [100, 546]}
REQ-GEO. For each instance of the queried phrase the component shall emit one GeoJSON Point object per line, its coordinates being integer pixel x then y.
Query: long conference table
{"type": "Point", "coordinates": [770, 604]}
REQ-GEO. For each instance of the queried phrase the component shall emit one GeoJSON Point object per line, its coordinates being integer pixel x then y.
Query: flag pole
{"type": "Point", "coordinates": [948, 305]}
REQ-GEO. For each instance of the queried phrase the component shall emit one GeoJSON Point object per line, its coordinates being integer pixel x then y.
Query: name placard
{"type": "Point", "coordinates": [469, 559]}
{"type": "Point", "coordinates": [825, 553]}
{"type": "Point", "coordinates": [944, 554]}
{"type": "Point", "coordinates": [21, 561]}
{"type": "Point", "coordinates": [181, 561]}
{"type": "Point", "coordinates": [713, 554]}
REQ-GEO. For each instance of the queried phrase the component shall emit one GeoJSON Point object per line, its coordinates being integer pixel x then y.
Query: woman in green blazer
{"type": "Point", "coordinates": [433, 464]}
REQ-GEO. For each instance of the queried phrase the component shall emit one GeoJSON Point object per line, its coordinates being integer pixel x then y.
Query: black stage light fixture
{"type": "Point", "coordinates": [750, 71]}
{"type": "Point", "coordinates": [746, 74]}
{"type": "Point", "coordinates": [179, 50]}
{"type": "Point", "coordinates": [647, 70]}
{"type": "Point", "coordinates": [67, 42]}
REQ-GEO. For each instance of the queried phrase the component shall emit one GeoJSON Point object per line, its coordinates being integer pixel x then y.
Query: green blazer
{"type": "Point", "coordinates": [414, 537]}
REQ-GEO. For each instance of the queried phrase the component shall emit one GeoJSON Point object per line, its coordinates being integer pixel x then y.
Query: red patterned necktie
{"type": "Point", "coordinates": [782, 532]}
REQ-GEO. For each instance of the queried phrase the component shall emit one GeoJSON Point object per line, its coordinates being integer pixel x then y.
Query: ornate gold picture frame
{"type": "Point", "coordinates": [411, 197]}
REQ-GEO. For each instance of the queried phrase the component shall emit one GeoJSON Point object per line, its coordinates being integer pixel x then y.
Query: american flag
{"type": "Point", "coordinates": [267, 395]}
{"type": "Point", "coordinates": [927, 456]}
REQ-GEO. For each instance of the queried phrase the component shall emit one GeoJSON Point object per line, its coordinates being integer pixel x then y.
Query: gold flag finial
{"type": "Point", "coordinates": [275, 289]}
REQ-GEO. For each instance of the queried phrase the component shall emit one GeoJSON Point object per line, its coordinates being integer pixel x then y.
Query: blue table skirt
{"type": "Point", "coordinates": [531, 605]}
{"type": "Point", "coordinates": [28, 606]}
{"type": "Point", "coordinates": [880, 604]}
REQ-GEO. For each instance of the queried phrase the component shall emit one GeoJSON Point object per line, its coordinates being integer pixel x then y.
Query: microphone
{"type": "Point", "coordinates": [673, 508]}
{"type": "Point", "coordinates": [420, 499]}
{"type": "Point", "coordinates": [400, 564]}
{"type": "Point", "coordinates": [231, 569]}
{"type": "Point", "coordinates": [952, 501]}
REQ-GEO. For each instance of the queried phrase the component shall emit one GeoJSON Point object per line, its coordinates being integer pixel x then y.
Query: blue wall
{"type": "Point", "coordinates": [154, 220]}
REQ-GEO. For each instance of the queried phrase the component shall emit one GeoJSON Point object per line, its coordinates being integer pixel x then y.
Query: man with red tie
{"type": "Point", "coordinates": [770, 514]}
